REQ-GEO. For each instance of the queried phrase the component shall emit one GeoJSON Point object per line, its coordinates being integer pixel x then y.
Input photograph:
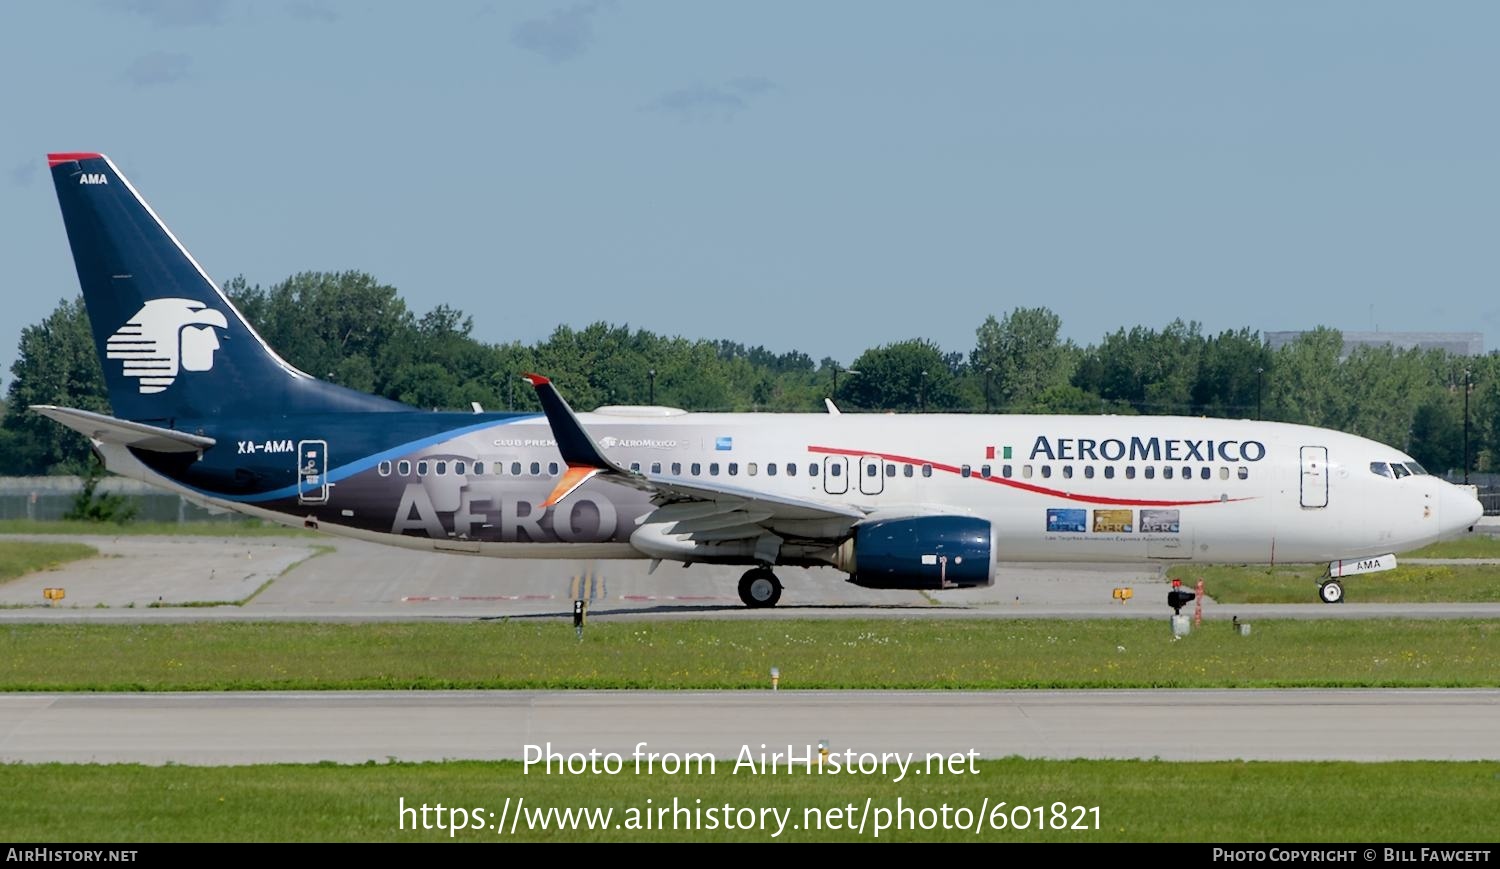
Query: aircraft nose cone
{"type": "Point", "coordinates": [1459, 510]}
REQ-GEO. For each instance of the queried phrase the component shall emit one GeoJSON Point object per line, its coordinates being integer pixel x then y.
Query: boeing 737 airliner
{"type": "Point", "coordinates": [203, 407]}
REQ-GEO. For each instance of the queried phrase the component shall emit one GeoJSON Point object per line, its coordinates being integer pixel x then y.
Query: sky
{"type": "Point", "coordinates": [823, 177]}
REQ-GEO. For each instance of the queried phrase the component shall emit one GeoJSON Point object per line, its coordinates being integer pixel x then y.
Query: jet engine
{"type": "Point", "coordinates": [920, 552]}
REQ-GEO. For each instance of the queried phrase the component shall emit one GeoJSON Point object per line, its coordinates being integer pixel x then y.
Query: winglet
{"type": "Point", "coordinates": [578, 450]}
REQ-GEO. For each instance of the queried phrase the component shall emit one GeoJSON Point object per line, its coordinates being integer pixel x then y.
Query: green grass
{"type": "Point", "coordinates": [235, 528]}
{"type": "Point", "coordinates": [1473, 546]}
{"type": "Point", "coordinates": [1137, 800]}
{"type": "Point", "coordinates": [1412, 583]}
{"type": "Point", "coordinates": [18, 558]}
{"type": "Point", "coordinates": [896, 654]}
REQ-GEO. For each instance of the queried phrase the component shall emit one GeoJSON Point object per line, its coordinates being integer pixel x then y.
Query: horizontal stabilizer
{"type": "Point", "coordinates": [125, 433]}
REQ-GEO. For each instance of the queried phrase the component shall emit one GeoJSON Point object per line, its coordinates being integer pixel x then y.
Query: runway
{"type": "Point", "coordinates": [320, 578]}
{"type": "Point", "coordinates": [354, 727]}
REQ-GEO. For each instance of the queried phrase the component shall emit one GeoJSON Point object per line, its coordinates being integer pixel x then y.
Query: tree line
{"type": "Point", "coordinates": [352, 329]}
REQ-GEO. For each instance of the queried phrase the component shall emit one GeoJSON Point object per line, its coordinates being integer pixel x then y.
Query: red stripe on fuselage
{"type": "Point", "coordinates": [1025, 487]}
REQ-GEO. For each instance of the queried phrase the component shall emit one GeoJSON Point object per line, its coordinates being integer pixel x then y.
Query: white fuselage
{"type": "Point", "coordinates": [1055, 488]}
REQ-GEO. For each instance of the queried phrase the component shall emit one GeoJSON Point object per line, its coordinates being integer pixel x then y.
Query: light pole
{"type": "Point", "coordinates": [1466, 426]}
{"type": "Point", "coordinates": [989, 372]}
{"type": "Point", "coordinates": [922, 392]}
{"type": "Point", "coordinates": [835, 393]}
{"type": "Point", "coordinates": [1259, 373]}
{"type": "Point", "coordinates": [651, 378]}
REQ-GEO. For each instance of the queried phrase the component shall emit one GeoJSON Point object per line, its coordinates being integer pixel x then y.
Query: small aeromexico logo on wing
{"type": "Point", "coordinates": [165, 338]}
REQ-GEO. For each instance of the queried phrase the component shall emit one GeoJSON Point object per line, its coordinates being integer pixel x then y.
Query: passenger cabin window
{"type": "Point", "coordinates": [1067, 472]}
{"type": "Point", "coordinates": [927, 470]}
{"type": "Point", "coordinates": [1006, 471]}
{"type": "Point", "coordinates": [1150, 472]}
{"type": "Point", "coordinates": [835, 470]}
{"type": "Point", "coordinates": [656, 467]}
{"type": "Point", "coordinates": [1223, 473]}
{"type": "Point", "coordinates": [906, 470]}
{"type": "Point", "coordinates": [442, 469]}
{"type": "Point", "coordinates": [1130, 472]}
{"type": "Point", "coordinates": [984, 471]}
{"type": "Point", "coordinates": [421, 469]}
{"type": "Point", "coordinates": [1046, 472]}
{"type": "Point", "coordinates": [872, 470]}
{"type": "Point", "coordinates": [890, 470]}
{"type": "Point", "coordinates": [536, 469]}
{"type": "Point", "coordinates": [812, 469]}
{"type": "Point", "coordinates": [770, 469]}
{"type": "Point", "coordinates": [696, 468]}
{"type": "Point", "coordinates": [713, 469]}
{"type": "Point", "coordinates": [461, 468]}
{"type": "Point", "coordinates": [479, 469]}
{"type": "Point", "coordinates": [1088, 472]}
{"type": "Point", "coordinates": [791, 469]}
{"type": "Point", "coordinates": [1109, 472]}
{"type": "Point", "coordinates": [734, 469]}
{"type": "Point", "coordinates": [1205, 472]}
{"type": "Point", "coordinates": [635, 467]}
{"type": "Point", "coordinates": [403, 468]}
{"type": "Point", "coordinates": [1026, 471]}
{"type": "Point", "coordinates": [1244, 473]}
{"type": "Point", "coordinates": [1166, 473]}
{"type": "Point", "coordinates": [964, 471]}
{"type": "Point", "coordinates": [385, 469]}
{"type": "Point", "coordinates": [751, 468]}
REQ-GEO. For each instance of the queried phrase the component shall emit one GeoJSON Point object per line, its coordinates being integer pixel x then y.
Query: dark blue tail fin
{"type": "Point", "coordinates": [172, 345]}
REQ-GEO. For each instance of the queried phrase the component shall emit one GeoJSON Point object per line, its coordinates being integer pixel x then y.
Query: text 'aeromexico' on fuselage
{"type": "Point", "coordinates": [204, 407]}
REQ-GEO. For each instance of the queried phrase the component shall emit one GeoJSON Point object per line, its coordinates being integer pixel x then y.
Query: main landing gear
{"type": "Point", "coordinates": [1331, 591]}
{"type": "Point", "coordinates": [759, 587]}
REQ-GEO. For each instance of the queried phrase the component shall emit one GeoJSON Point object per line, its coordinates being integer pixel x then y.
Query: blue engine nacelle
{"type": "Point", "coordinates": [921, 552]}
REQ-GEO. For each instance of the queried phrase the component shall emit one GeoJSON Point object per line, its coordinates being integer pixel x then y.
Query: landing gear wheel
{"type": "Point", "coordinates": [1331, 591]}
{"type": "Point", "coordinates": [760, 588]}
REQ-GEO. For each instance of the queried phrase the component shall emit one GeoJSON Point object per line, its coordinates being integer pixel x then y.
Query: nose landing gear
{"type": "Point", "coordinates": [1331, 591]}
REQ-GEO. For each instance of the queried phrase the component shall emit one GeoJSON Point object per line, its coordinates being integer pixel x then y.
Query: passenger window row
{"type": "Point", "coordinates": [461, 468]}
{"type": "Point", "coordinates": [1168, 472]}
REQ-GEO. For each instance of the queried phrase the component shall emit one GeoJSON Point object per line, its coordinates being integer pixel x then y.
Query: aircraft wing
{"type": "Point", "coordinates": [704, 510]}
{"type": "Point", "coordinates": [124, 432]}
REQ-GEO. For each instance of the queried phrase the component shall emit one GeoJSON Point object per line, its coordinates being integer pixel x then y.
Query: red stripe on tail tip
{"type": "Point", "coordinates": [535, 379]}
{"type": "Point", "coordinates": [71, 157]}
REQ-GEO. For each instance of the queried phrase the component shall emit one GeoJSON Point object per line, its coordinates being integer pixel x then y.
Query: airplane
{"type": "Point", "coordinates": [202, 406]}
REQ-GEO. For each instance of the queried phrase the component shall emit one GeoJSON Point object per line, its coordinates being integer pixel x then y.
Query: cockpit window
{"type": "Point", "coordinates": [1380, 469]}
{"type": "Point", "coordinates": [1400, 470]}
{"type": "Point", "coordinates": [1416, 469]}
